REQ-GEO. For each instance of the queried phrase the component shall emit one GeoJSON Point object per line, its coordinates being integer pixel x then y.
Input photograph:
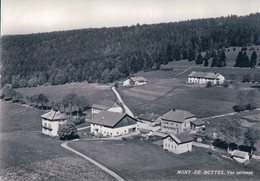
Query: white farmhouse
{"type": "Point", "coordinates": [135, 81]}
{"type": "Point", "coordinates": [51, 122]}
{"type": "Point", "coordinates": [178, 143]}
{"type": "Point", "coordinates": [205, 77]}
{"type": "Point", "coordinates": [176, 121]}
{"type": "Point", "coordinates": [105, 105]}
{"type": "Point", "coordinates": [112, 124]}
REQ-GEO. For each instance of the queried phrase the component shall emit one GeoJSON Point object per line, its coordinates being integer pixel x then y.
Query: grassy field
{"type": "Point", "coordinates": [142, 160]}
{"type": "Point", "coordinates": [27, 154]}
{"type": "Point", "coordinates": [167, 92]}
{"type": "Point", "coordinates": [93, 92]}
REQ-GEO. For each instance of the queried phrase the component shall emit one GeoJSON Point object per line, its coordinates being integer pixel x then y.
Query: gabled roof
{"type": "Point", "coordinates": [198, 122]}
{"type": "Point", "coordinates": [54, 116]}
{"type": "Point", "coordinates": [208, 75]}
{"type": "Point", "coordinates": [104, 105]}
{"type": "Point", "coordinates": [238, 153]}
{"type": "Point", "coordinates": [177, 115]}
{"type": "Point", "coordinates": [139, 79]}
{"type": "Point", "coordinates": [180, 138]}
{"type": "Point", "coordinates": [107, 118]}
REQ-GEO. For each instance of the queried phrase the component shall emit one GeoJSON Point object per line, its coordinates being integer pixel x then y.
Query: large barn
{"type": "Point", "coordinates": [51, 122]}
{"type": "Point", "coordinates": [205, 77]}
{"type": "Point", "coordinates": [112, 124]}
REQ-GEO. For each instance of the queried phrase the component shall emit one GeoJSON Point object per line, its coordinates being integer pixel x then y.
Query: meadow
{"type": "Point", "coordinates": [142, 160]}
{"type": "Point", "coordinates": [93, 92]}
{"type": "Point", "coordinates": [27, 154]}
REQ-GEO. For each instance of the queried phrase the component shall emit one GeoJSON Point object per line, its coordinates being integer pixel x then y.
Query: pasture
{"type": "Point", "coordinates": [93, 92]}
{"type": "Point", "coordinates": [27, 154]}
{"type": "Point", "coordinates": [141, 160]}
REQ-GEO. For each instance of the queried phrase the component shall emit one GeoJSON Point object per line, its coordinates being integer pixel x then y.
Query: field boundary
{"type": "Point", "coordinates": [110, 172]}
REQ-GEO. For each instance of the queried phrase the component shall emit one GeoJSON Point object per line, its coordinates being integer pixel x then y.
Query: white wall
{"type": "Point", "coordinates": [54, 125]}
{"type": "Point", "coordinates": [170, 145]}
{"type": "Point", "coordinates": [106, 131]}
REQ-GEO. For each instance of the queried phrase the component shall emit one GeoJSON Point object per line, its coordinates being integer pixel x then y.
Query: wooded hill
{"type": "Point", "coordinates": [107, 54]}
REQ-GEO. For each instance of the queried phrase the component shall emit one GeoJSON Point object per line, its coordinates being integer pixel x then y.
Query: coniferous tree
{"type": "Point", "coordinates": [253, 59]}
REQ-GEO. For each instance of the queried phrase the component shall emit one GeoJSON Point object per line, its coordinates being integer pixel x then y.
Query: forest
{"type": "Point", "coordinates": [108, 54]}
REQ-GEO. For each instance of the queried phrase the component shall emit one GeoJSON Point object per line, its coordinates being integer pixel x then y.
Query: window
{"type": "Point", "coordinates": [165, 145]}
{"type": "Point", "coordinates": [172, 146]}
{"type": "Point", "coordinates": [175, 147]}
{"type": "Point", "coordinates": [116, 132]}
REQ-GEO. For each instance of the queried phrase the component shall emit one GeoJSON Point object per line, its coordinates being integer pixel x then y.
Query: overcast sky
{"type": "Point", "coordinates": [32, 16]}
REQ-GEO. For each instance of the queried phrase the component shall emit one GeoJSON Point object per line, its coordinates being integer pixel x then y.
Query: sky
{"type": "Point", "coordinates": [33, 16]}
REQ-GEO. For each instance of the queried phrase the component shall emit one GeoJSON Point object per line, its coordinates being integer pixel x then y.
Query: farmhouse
{"type": "Point", "coordinates": [135, 81]}
{"type": "Point", "coordinates": [197, 125]}
{"type": "Point", "coordinates": [178, 143]}
{"type": "Point", "coordinates": [177, 121]}
{"type": "Point", "coordinates": [51, 122]}
{"type": "Point", "coordinates": [204, 77]}
{"type": "Point", "coordinates": [105, 105]}
{"type": "Point", "coordinates": [240, 156]}
{"type": "Point", "coordinates": [112, 124]}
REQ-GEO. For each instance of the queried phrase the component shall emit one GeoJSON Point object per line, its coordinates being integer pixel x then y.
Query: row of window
{"type": "Point", "coordinates": [47, 125]}
{"type": "Point", "coordinates": [170, 146]}
{"type": "Point", "coordinates": [171, 128]}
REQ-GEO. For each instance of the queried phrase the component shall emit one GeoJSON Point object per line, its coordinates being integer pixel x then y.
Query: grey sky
{"type": "Point", "coordinates": [32, 16]}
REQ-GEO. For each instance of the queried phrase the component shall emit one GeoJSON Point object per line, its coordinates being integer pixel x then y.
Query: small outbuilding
{"type": "Point", "coordinates": [240, 156]}
{"type": "Point", "coordinates": [51, 122]}
{"type": "Point", "coordinates": [197, 125]}
{"type": "Point", "coordinates": [135, 81]}
{"type": "Point", "coordinates": [178, 143]}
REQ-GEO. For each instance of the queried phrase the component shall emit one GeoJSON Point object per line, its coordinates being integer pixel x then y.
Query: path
{"type": "Point", "coordinates": [228, 114]}
{"type": "Point", "coordinates": [127, 110]}
{"type": "Point", "coordinates": [83, 128]}
{"type": "Point", "coordinates": [183, 72]}
{"type": "Point", "coordinates": [113, 174]}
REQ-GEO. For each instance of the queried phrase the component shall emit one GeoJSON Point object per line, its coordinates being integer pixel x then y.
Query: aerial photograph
{"type": "Point", "coordinates": [130, 90]}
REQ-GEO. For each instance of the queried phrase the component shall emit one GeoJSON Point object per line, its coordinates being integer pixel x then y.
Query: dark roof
{"type": "Point", "coordinates": [142, 130]}
{"type": "Point", "coordinates": [140, 79]}
{"type": "Point", "coordinates": [198, 122]}
{"type": "Point", "coordinates": [180, 138]}
{"type": "Point", "coordinates": [149, 117]}
{"type": "Point", "coordinates": [209, 75]}
{"type": "Point", "coordinates": [104, 105]}
{"type": "Point", "coordinates": [107, 118]}
{"type": "Point", "coordinates": [54, 116]}
{"type": "Point", "coordinates": [177, 115]}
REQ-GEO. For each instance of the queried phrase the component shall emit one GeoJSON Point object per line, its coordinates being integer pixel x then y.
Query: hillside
{"type": "Point", "coordinates": [107, 54]}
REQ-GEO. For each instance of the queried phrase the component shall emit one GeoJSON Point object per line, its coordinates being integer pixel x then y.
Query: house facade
{"type": "Point", "coordinates": [178, 143]}
{"type": "Point", "coordinates": [135, 81]}
{"type": "Point", "coordinates": [105, 105]}
{"type": "Point", "coordinates": [176, 121]}
{"type": "Point", "coordinates": [205, 77]}
{"type": "Point", "coordinates": [112, 124]}
{"type": "Point", "coordinates": [51, 122]}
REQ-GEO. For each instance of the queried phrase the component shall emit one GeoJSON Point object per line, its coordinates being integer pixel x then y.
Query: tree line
{"type": "Point", "coordinates": [108, 54]}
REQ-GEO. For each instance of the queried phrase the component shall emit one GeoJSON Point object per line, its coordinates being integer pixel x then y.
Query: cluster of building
{"type": "Point", "coordinates": [109, 120]}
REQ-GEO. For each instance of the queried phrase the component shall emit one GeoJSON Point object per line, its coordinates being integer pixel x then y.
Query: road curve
{"type": "Point", "coordinates": [113, 174]}
{"type": "Point", "coordinates": [127, 110]}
